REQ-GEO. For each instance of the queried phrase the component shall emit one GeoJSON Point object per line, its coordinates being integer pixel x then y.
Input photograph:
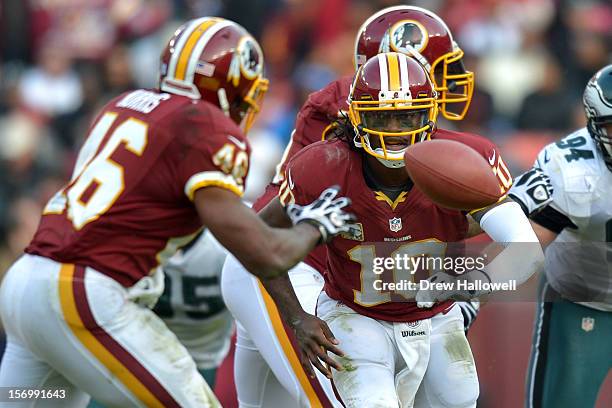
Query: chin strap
{"type": "Point", "coordinates": [392, 164]}
{"type": "Point", "coordinates": [223, 102]}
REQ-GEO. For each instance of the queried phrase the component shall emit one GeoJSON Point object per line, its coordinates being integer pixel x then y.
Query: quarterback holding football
{"type": "Point", "coordinates": [264, 344]}
{"type": "Point", "coordinates": [381, 361]}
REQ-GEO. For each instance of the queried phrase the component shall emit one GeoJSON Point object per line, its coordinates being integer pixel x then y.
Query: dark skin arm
{"type": "Point", "coordinates": [266, 252]}
{"type": "Point", "coordinates": [313, 334]}
{"type": "Point", "coordinates": [274, 215]}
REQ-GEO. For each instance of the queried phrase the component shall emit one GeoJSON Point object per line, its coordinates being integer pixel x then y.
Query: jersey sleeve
{"type": "Point", "coordinates": [306, 177]}
{"type": "Point", "coordinates": [296, 184]}
{"type": "Point", "coordinates": [211, 155]}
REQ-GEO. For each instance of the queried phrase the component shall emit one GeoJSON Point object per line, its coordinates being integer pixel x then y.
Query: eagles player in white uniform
{"type": "Point", "coordinates": [568, 195]}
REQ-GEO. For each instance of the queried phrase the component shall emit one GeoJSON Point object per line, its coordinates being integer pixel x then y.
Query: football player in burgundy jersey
{"type": "Point", "coordinates": [157, 167]}
{"type": "Point", "coordinates": [393, 347]}
{"type": "Point", "coordinates": [432, 43]}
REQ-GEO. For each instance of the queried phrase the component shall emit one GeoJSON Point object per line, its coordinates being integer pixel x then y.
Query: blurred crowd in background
{"type": "Point", "coordinates": [61, 60]}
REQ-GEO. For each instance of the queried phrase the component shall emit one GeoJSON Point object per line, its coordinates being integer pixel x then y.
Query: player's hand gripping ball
{"type": "Point", "coordinates": [452, 174]}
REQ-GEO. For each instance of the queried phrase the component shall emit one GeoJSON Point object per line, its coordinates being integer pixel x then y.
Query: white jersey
{"type": "Point", "coordinates": [571, 177]}
{"type": "Point", "coordinates": [192, 306]}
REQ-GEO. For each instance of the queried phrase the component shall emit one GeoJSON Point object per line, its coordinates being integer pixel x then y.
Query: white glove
{"type": "Point", "coordinates": [326, 214]}
{"type": "Point", "coordinates": [447, 287]}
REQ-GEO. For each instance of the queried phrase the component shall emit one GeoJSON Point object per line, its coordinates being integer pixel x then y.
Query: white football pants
{"type": "Point", "coordinates": [74, 328]}
{"type": "Point", "coordinates": [425, 364]}
{"type": "Point", "coordinates": [265, 352]}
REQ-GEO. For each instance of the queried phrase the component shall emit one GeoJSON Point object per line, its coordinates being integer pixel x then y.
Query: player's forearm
{"type": "Point", "coordinates": [264, 251]}
{"type": "Point", "coordinates": [281, 291]}
{"type": "Point", "coordinates": [522, 255]}
{"type": "Point", "coordinates": [289, 246]}
{"type": "Point", "coordinates": [270, 252]}
{"type": "Point", "coordinates": [274, 215]}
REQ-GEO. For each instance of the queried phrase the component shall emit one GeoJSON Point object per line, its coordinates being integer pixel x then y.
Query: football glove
{"type": "Point", "coordinates": [426, 298]}
{"type": "Point", "coordinates": [533, 190]}
{"type": "Point", "coordinates": [326, 213]}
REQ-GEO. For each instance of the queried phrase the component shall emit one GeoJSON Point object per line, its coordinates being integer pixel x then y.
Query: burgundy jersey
{"type": "Point", "coordinates": [129, 203]}
{"type": "Point", "coordinates": [313, 123]}
{"type": "Point", "coordinates": [407, 224]}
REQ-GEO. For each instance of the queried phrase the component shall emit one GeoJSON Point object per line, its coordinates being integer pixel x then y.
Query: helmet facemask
{"type": "Point", "coordinates": [600, 129]}
{"type": "Point", "coordinates": [245, 110]}
{"type": "Point", "coordinates": [453, 83]}
{"type": "Point", "coordinates": [597, 100]}
{"type": "Point", "coordinates": [385, 128]}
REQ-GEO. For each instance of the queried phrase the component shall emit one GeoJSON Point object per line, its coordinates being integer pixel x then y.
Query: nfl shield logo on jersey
{"type": "Point", "coordinates": [588, 324]}
{"type": "Point", "coordinates": [395, 224]}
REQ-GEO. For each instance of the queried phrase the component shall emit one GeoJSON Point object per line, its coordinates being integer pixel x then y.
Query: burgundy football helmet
{"type": "Point", "coordinates": [216, 60]}
{"type": "Point", "coordinates": [423, 35]}
{"type": "Point", "coordinates": [392, 105]}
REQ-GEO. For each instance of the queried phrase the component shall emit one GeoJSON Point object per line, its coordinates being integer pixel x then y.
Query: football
{"type": "Point", "coordinates": [452, 174]}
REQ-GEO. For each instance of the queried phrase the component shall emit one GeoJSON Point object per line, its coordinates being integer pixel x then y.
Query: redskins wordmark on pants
{"type": "Point", "coordinates": [74, 328]}
{"type": "Point", "coordinates": [264, 349]}
{"type": "Point", "coordinates": [425, 364]}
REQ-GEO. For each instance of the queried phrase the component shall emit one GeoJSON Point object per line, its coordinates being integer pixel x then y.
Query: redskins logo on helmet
{"type": "Point", "coordinates": [406, 36]}
{"type": "Point", "coordinates": [216, 60]}
{"type": "Point", "coordinates": [392, 105]}
{"type": "Point", "coordinates": [424, 36]}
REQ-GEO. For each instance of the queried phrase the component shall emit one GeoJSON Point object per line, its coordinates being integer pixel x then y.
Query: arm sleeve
{"type": "Point", "coordinates": [522, 255]}
{"type": "Point", "coordinates": [553, 220]}
{"type": "Point", "coordinates": [507, 223]}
